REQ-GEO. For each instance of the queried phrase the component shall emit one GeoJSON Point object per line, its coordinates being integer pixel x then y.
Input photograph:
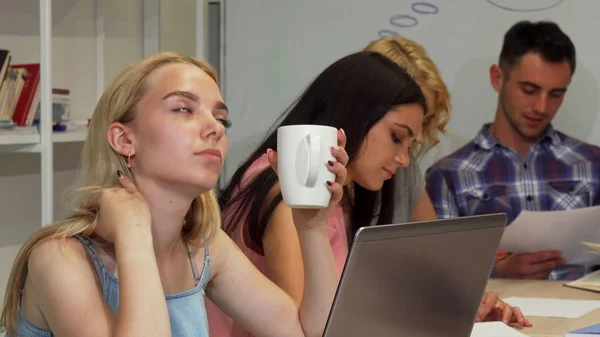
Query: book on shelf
{"type": "Point", "coordinates": [20, 94]}
{"type": "Point", "coordinates": [4, 62]}
{"type": "Point", "coordinates": [24, 112]}
{"type": "Point", "coordinates": [10, 91]}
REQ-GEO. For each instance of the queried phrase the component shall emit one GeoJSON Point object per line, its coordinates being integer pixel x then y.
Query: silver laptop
{"type": "Point", "coordinates": [421, 279]}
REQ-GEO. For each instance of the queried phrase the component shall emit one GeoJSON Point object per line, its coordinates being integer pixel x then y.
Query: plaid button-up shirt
{"type": "Point", "coordinates": [558, 173]}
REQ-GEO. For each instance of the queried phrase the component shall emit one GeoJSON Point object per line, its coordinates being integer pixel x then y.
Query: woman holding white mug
{"type": "Point", "coordinates": [382, 110]}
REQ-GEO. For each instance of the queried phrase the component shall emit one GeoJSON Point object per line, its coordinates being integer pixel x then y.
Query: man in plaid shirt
{"type": "Point", "coordinates": [519, 162]}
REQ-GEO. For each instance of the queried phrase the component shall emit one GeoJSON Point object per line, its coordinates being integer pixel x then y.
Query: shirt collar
{"type": "Point", "coordinates": [487, 141]}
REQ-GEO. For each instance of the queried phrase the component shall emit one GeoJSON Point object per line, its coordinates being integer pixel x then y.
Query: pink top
{"type": "Point", "coordinates": [219, 323]}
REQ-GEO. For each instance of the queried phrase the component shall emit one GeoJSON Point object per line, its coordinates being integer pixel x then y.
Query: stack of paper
{"type": "Point", "coordinates": [494, 329]}
{"type": "Point", "coordinates": [555, 230]}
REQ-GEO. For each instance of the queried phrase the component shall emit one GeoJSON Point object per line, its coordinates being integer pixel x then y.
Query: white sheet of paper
{"type": "Point", "coordinates": [550, 307]}
{"type": "Point", "coordinates": [555, 230]}
{"type": "Point", "coordinates": [494, 329]}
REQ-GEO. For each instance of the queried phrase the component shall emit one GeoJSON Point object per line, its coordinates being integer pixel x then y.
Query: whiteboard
{"type": "Point", "coordinates": [274, 48]}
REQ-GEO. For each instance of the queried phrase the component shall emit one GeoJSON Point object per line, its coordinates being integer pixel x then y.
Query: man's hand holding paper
{"type": "Point", "coordinates": [537, 265]}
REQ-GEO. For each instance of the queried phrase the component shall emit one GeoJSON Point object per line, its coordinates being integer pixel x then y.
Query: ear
{"type": "Point", "coordinates": [119, 138]}
{"type": "Point", "coordinates": [496, 77]}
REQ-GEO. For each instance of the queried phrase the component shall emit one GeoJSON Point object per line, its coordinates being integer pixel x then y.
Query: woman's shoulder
{"type": "Point", "coordinates": [52, 259]}
{"type": "Point", "coordinates": [55, 252]}
{"type": "Point", "coordinates": [47, 266]}
{"type": "Point", "coordinates": [219, 252]}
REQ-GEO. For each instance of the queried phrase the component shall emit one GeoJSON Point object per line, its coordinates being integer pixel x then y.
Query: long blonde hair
{"type": "Point", "coordinates": [412, 57]}
{"type": "Point", "coordinates": [99, 164]}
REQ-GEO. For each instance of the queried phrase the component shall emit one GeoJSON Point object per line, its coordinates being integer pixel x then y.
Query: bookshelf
{"type": "Point", "coordinates": [80, 45]}
{"type": "Point", "coordinates": [61, 25]}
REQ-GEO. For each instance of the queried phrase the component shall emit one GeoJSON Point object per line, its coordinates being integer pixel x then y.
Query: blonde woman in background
{"type": "Point", "coordinates": [145, 244]}
{"type": "Point", "coordinates": [413, 203]}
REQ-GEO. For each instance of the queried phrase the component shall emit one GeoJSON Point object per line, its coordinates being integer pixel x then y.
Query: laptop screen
{"type": "Point", "coordinates": [420, 279]}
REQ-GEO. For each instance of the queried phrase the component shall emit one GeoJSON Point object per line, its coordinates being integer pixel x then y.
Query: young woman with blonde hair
{"type": "Point", "coordinates": [144, 246]}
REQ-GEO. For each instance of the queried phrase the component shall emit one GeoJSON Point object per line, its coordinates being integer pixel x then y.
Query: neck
{"type": "Point", "coordinates": [168, 208]}
{"type": "Point", "coordinates": [506, 135]}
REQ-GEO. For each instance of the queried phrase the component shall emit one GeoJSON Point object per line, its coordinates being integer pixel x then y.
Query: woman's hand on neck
{"type": "Point", "coordinates": [168, 207]}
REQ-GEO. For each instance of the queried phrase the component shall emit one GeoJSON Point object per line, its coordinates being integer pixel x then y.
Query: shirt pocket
{"type": "Point", "coordinates": [488, 199]}
{"type": "Point", "coordinates": [569, 194]}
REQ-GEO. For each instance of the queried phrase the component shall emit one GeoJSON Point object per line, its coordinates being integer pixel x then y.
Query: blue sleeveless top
{"type": "Point", "coordinates": [186, 309]}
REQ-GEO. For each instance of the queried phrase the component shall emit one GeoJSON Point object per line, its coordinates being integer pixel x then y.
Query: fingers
{"type": "Point", "coordinates": [339, 152]}
{"type": "Point", "coordinates": [520, 318]}
{"type": "Point", "coordinates": [493, 308]}
{"type": "Point", "coordinates": [126, 182]}
{"type": "Point", "coordinates": [272, 157]}
{"type": "Point", "coordinates": [339, 170]}
{"type": "Point", "coordinates": [487, 304]}
{"type": "Point", "coordinates": [536, 265]}
{"type": "Point", "coordinates": [541, 256]}
{"type": "Point", "coordinates": [490, 299]}
{"type": "Point", "coordinates": [100, 196]}
{"type": "Point", "coordinates": [336, 192]}
{"type": "Point", "coordinates": [340, 155]}
{"type": "Point", "coordinates": [507, 313]}
{"type": "Point", "coordinates": [341, 138]}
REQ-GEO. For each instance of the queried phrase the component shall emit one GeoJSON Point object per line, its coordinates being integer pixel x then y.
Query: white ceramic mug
{"type": "Point", "coordinates": [302, 155]}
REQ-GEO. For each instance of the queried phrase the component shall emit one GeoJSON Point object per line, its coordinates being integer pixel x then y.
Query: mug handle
{"type": "Point", "coordinates": [314, 153]}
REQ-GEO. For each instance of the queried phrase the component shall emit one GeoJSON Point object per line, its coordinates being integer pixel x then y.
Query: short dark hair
{"type": "Point", "coordinates": [542, 37]}
{"type": "Point", "coordinates": [353, 93]}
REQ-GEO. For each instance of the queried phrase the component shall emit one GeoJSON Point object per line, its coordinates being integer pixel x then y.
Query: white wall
{"type": "Point", "coordinates": [74, 67]}
{"type": "Point", "coordinates": [269, 62]}
{"type": "Point", "coordinates": [178, 26]}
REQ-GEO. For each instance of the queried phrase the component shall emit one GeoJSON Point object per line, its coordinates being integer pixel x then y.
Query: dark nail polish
{"type": "Point", "coordinates": [120, 174]}
{"type": "Point", "coordinates": [329, 183]}
{"type": "Point", "coordinates": [330, 163]}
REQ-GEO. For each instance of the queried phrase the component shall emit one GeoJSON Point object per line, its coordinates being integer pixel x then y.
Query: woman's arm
{"type": "Point", "coordinates": [260, 306]}
{"type": "Point", "coordinates": [62, 285]}
{"type": "Point", "coordinates": [283, 256]}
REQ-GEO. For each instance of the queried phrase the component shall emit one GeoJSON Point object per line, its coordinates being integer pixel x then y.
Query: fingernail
{"type": "Point", "coordinates": [269, 151]}
{"type": "Point", "coordinates": [343, 132]}
{"type": "Point", "coordinates": [120, 174]}
{"type": "Point", "coordinates": [335, 148]}
{"type": "Point", "coordinates": [329, 183]}
{"type": "Point", "coordinates": [330, 163]}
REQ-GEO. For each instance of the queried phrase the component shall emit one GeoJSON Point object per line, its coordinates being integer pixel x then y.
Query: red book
{"type": "Point", "coordinates": [30, 95]}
